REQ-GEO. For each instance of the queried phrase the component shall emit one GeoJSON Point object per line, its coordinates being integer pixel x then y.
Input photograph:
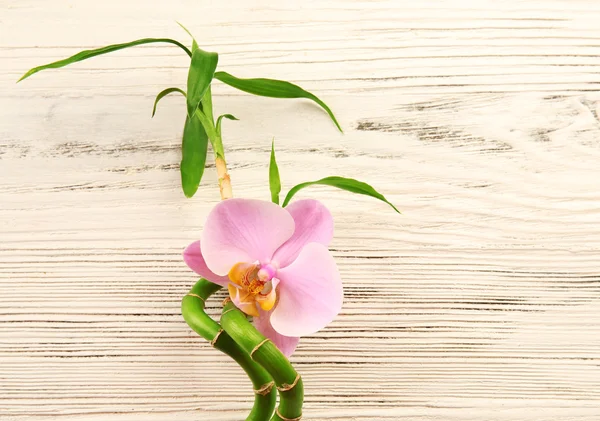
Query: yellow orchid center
{"type": "Point", "coordinates": [252, 286]}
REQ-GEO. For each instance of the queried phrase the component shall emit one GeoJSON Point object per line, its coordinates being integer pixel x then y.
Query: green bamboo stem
{"type": "Point", "coordinates": [205, 115]}
{"type": "Point", "coordinates": [264, 352]}
{"type": "Point", "coordinates": [206, 119]}
{"type": "Point", "coordinates": [192, 308]}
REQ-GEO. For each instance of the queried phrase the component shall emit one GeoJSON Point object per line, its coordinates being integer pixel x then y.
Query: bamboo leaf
{"type": "Point", "coordinates": [274, 180]}
{"type": "Point", "coordinates": [227, 116]}
{"type": "Point", "coordinates": [348, 184]}
{"type": "Point", "coordinates": [274, 89]}
{"type": "Point", "coordinates": [193, 155]}
{"type": "Point", "coordinates": [194, 43]}
{"type": "Point", "coordinates": [202, 69]}
{"type": "Point", "coordinates": [84, 55]}
{"type": "Point", "coordinates": [164, 93]}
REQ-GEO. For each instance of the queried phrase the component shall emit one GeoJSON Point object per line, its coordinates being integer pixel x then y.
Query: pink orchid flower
{"type": "Point", "coordinates": [275, 263]}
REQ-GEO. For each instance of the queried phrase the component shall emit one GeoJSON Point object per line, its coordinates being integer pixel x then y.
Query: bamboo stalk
{"type": "Point", "coordinates": [192, 308]}
{"type": "Point", "coordinates": [263, 351]}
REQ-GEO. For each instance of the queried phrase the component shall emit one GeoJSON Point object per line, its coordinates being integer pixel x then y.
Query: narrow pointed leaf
{"type": "Point", "coordinates": [348, 184]}
{"type": "Point", "coordinates": [274, 181]}
{"type": "Point", "coordinates": [194, 43]}
{"type": "Point", "coordinates": [227, 116]}
{"type": "Point", "coordinates": [202, 69]}
{"type": "Point", "coordinates": [163, 94]}
{"type": "Point", "coordinates": [274, 89]}
{"type": "Point", "coordinates": [84, 55]}
{"type": "Point", "coordinates": [193, 155]}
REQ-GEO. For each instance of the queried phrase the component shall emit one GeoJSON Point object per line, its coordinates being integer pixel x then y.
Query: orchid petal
{"type": "Point", "coordinates": [244, 230]}
{"type": "Point", "coordinates": [310, 293]}
{"type": "Point", "coordinates": [287, 345]}
{"type": "Point", "coordinates": [194, 259]}
{"type": "Point", "coordinates": [314, 224]}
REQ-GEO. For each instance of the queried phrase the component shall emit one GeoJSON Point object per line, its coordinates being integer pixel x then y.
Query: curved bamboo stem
{"type": "Point", "coordinates": [263, 351]}
{"type": "Point", "coordinates": [192, 308]}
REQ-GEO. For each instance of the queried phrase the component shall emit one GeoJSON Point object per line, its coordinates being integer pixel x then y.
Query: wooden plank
{"type": "Point", "coordinates": [481, 122]}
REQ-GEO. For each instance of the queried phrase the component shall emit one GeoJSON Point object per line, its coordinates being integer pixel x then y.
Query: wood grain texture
{"type": "Point", "coordinates": [480, 120]}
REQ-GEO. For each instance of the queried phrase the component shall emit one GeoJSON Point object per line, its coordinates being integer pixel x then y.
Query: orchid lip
{"type": "Point", "coordinates": [253, 286]}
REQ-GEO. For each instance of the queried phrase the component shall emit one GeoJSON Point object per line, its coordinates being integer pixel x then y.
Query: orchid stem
{"type": "Point", "coordinates": [192, 308]}
{"type": "Point", "coordinates": [264, 352]}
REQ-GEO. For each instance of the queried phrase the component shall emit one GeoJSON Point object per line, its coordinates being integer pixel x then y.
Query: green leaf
{"type": "Point", "coordinates": [194, 43]}
{"type": "Point", "coordinates": [227, 116]}
{"type": "Point", "coordinates": [193, 155]}
{"type": "Point", "coordinates": [348, 184]}
{"type": "Point", "coordinates": [274, 181]}
{"type": "Point", "coordinates": [84, 55]}
{"type": "Point", "coordinates": [164, 93]}
{"type": "Point", "coordinates": [202, 69]}
{"type": "Point", "coordinates": [274, 89]}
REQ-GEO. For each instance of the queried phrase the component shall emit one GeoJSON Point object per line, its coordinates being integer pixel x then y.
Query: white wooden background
{"type": "Point", "coordinates": [479, 119]}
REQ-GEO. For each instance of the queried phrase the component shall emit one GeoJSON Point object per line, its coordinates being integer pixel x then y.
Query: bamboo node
{"type": "Point", "coordinates": [265, 389]}
{"type": "Point", "coordinates": [287, 419]}
{"type": "Point", "coordinates": [214, 341]}
{"type": "Point", "coordinates": [227, 311]}
{"type": "Point", "coordinates": [195, 295]}
{"type": "Point", "coordinates": [287, 387]}
{"type": "Point", "coordinates": [258, 346]}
